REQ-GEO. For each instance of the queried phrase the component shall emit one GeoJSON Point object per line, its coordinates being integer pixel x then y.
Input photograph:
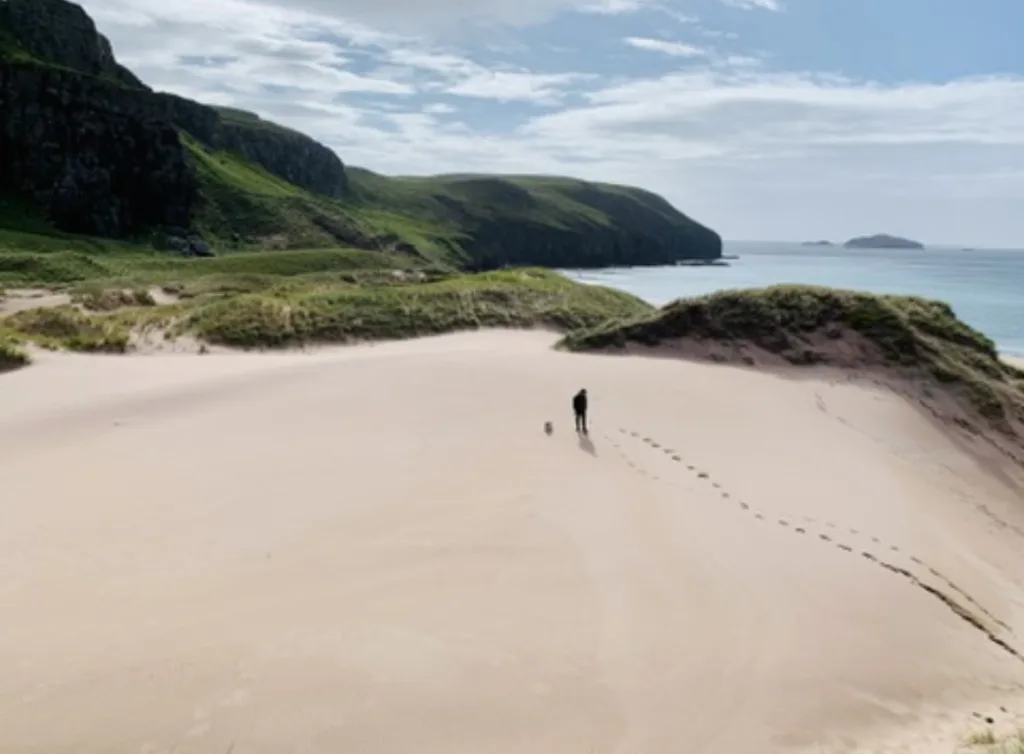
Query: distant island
{"type": "Point", "coordinates": [817, 243]}
{"type": "Point", "coordinates": [882, 241]}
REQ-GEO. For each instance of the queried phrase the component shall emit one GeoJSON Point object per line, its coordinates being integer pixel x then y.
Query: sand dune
{"type": "Point", "coordinates": [378, 550]}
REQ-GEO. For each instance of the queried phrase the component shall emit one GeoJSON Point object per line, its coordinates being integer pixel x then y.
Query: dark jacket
{"type": "Point", "coordinates": [579, 402]}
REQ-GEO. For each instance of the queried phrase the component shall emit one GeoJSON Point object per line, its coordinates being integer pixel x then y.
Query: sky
{"type": "Point", "coordinates": [784, 120]}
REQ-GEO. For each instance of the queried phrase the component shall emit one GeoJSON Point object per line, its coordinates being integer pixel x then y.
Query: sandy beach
{"type": "Point", "coordinates": [377, 549]}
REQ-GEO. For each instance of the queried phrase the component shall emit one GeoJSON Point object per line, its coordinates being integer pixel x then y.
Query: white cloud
{"type": "Point", "coordinates": [614, 7]}
{"type": "Point", "coordinates": [772, 5]}
{"type": "Point", "coordinates": [674, 49]}
{"type": "Point", "coordinates": [753, 151]}
{"type": "Point", "coordinates": [511, 86]}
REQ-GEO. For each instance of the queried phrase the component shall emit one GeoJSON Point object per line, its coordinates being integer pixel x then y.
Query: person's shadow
{"type": "Point", "coordinates": [586, 444]}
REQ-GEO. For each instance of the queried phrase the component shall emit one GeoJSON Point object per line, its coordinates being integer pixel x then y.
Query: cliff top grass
{"type": "Point", "coordinates": [242, 200]}
{"type": "Point", "coordinates": [553, 201]}
{"type": "Point", "coordinates": [801, 325]}
{"type": "Point", "coordinates": [29, 260]}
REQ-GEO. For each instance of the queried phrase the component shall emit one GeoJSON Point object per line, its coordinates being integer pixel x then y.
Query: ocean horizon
{"type": "Point", "coordinates": [985, 287]}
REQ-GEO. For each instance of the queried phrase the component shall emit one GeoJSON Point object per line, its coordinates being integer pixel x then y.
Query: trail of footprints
{"type": "Point", "coordinates": [801, 527]}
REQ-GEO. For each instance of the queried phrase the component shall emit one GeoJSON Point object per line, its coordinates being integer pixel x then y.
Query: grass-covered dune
{"type": "Point", "coordinates": [903, 336]}
{"type": "Point", "coordinates": [267, 300]}
{"type": "Point", "coordinates": [519, 299]}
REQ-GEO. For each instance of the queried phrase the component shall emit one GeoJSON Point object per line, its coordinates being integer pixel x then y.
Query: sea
{"type": "Point", "coordinates": [985, 287]}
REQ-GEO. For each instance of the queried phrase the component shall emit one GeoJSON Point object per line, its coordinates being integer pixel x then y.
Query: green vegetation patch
{"type": "Point", "coordinates": [111, 299]}
{"type": "Point", "coordinates": [55, 266]}
{"type": "Point", "coordinates": [520, 299]}
{"type": "Point", "coordinates": [986, 741]}
{"type": "Point", "coordinates": [12, 356]}
{"type": "Point", "coordinates": [67, 327]}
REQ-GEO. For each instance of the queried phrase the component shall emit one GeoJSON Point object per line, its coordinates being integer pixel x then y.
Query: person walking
{"type": "Point", "coordinates": [579, 408]}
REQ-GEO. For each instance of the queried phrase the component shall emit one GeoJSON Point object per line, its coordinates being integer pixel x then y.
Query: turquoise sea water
{"type": "Point", "coordinates": [984, 286]}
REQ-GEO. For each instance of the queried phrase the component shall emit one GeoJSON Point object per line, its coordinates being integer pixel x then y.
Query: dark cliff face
{"type": "Point", "coordinates": [87, 151]}
{"type": "Point", "coordinates": [62, 33]}
{"type": "Point", "coordinates": [502, 242]}
{"type": "Point", "coordinates": [86, 139]}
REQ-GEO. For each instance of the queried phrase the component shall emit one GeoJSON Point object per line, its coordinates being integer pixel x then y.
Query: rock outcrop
{"type": "Point", "coordinates": [62, 33]}
{"type": "Point", "coordinates": [882, 241]}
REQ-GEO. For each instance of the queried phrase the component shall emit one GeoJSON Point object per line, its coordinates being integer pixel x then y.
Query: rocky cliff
{"type": "Point", "coordinates": [103, 154]}
{"type": "Point", "coordinates": [62, 33]}
{"type": "Point", "coordinates": [98, 149]}
{"type": "Point", "coordinates": [91, 153]}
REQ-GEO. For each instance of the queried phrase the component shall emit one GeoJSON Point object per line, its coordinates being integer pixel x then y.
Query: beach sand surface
{"type": "Point", "coordinates": [378, 550]}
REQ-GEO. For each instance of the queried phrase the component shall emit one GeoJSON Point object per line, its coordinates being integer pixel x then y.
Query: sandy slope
{"type": "Point", "coordinates": [378, 550]}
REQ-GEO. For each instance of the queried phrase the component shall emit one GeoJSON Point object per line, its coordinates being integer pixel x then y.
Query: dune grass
{"type": "Point", "coordinates": [520, 299]}
{"type": "Point", "coordinates": [11, 355]}
{"type": "Point", "coordinates": [110, 299]}
{"type": "Point", "coordinates": [288, 298]}
{"type": "Point", "coordinates": [67, 327]}
{"type": "Point", "coordinates": [798, 323]}
{"type": "Point", "coordinates": [986, 741]}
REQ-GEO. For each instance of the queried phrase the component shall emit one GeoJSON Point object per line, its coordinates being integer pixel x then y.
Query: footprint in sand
{"type": "Point", "coordinates": [846, 548]}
